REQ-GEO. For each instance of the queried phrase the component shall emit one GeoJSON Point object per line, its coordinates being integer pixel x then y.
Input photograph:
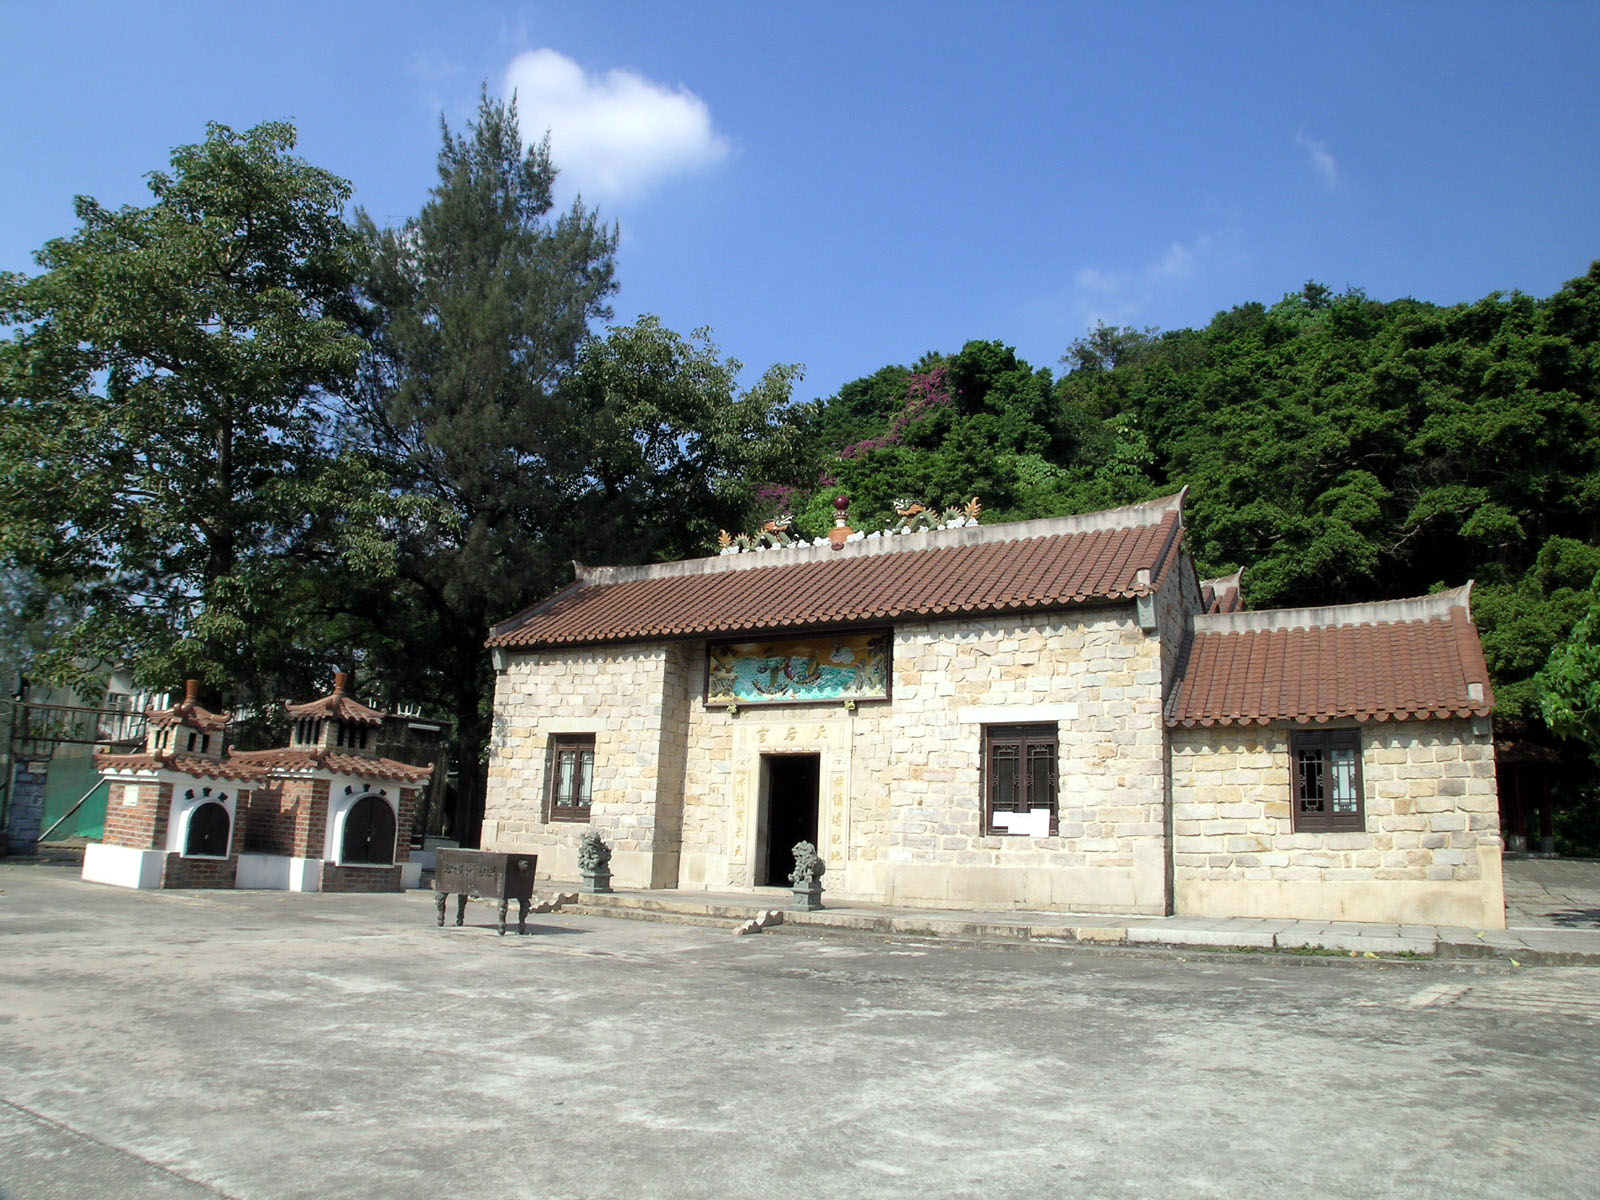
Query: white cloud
{"type": "Point", "coordinates": [1178, 261]}
{"type": "Point", "coordinates": [614, 136]}
{"type": "Point", "coordinates": [1122, 297]}
{"type": "Point", "coordinates": [1321, 158]}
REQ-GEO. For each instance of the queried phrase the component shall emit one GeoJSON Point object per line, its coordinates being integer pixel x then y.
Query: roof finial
{"type": "Point", "coordinates": [191, 692]}
{"type": "Point", "coordinates": [338, 683]}
{"type": "Point", "coordinates": [841, 531]}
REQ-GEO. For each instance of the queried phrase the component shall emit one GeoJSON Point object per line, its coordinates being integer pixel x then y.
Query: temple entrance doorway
{"type": "Point", "coordinates": [788, 813]}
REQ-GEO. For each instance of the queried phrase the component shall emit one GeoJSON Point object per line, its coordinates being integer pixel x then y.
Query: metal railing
{"type": "Point", "coordinates": [36, 729]}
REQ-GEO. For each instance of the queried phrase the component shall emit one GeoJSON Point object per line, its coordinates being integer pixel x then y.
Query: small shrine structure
{"type": "Point", "coordinates": [326, 813]}
{"type": "Point", "coordinates": [331, 814]}
{"type": "Point", "coordinates": [172, 811]}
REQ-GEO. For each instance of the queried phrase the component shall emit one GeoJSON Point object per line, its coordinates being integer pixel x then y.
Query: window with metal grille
{"type": "Point", "coordinates": [1325, 779]}
{"type": "Point", "coordinates": [571, 776]}
{"type": "Point", "coordinates": [1019, 766]}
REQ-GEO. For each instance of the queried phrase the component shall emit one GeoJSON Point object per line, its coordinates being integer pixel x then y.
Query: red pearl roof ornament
{"type": "Point", "coordinates": [841, 531]}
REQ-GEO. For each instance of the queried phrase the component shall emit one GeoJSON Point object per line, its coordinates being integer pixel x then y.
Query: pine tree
{"type": "Point", "coordinates": [479, 308]}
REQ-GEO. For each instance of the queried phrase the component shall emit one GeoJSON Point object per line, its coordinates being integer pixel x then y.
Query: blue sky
{"type": "Point", "coordinates": [849, 185]}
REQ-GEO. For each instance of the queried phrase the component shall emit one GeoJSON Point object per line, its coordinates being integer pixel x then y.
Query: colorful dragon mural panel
{"type": "Point", "coordinates": [800, 670]}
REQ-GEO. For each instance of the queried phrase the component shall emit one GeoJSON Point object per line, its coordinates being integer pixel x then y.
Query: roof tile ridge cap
{"type": "Point", "coordinates": [359, 711]}
{"type": "Point", "coordinates": [1166, 558]}
{"type": "Point", "coordinates": [395, 762]}
{"type": "Point", "coordinates": [1435, 607]}
{"type": "Point", "coordinates": [1469, 650]}
{"type": "Point", "coordinates": [1130, 516]}
{"type": "Point", "coordinates": [1233, 582]}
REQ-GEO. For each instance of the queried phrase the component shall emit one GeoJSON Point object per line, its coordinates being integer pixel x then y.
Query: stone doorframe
{"type": "Point", "coordinates": [826, 734]}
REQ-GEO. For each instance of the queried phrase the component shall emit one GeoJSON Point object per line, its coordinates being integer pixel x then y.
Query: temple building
{"type": "Point", "coordinates": [1052, 715]}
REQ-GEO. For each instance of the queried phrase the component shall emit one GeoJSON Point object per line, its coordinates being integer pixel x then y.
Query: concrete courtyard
{"type": "Point", "coordinates": [256, 1045]}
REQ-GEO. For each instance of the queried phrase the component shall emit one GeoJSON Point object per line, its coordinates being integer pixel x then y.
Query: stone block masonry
{"type": "Point", "coordinates": [25, 815]}
{"type": "Point", "coordinates": [631, 700]}
{"type": "Point", "coordinates": [1429, 852]}
{"type": "Point", "coordinates": [678, 785]}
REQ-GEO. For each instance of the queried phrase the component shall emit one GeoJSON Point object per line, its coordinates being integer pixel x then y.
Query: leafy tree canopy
{"type": "Point", "coordinates": [1338, 447]}
{"type": "Point", "coordinates": [1568, 687]}
{"type": "Point", "coordinates": [517, 439]}
{"type": "Point", "coordinates": [162, 436]}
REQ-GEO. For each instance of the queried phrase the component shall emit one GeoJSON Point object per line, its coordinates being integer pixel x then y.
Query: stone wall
{"type": "Point", "coordinates": [678, 787]}
{"type": "Point", "coordinates": [618, 694]}
{"type": "Point", "coordinates": [25, 812]}
{"type": "Point", "coordinates": [1176, 603]}
{"type": "Point", "coordinates": [902, 783]}
{"type": "Point", "coordinates": [1430, 852]}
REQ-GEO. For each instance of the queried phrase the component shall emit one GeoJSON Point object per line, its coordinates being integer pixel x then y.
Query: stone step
{"type": "Point", "coordinates": [665, 917]}
{"type": "Point", "coordinates": [617, 903]}
{"type": "Point", "coordinates": [684, 910]}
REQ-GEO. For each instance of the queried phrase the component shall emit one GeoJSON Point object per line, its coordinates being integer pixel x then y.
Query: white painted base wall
{"type": "Point", "coordinates": [122, 866]}
{"type": "Point", "coordinates": [279, 873]}
{"type": "Point", "coordinates": [410, 875]}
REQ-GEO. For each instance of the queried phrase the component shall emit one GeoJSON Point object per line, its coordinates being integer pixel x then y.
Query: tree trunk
{"type": "Point", "coordinates": [472, 733]}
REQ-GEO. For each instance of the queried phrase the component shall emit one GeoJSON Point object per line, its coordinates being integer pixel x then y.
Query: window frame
{"type": "Point", "coordinates": [1026, 738]}
{"type": "Point", "coordinates": [578, 810]}
{"type": "Point", "coordinates": [1328, 821]}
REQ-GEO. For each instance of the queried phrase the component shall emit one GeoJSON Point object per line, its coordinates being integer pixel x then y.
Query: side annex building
{"type": "Point", "coordinates": [1047, 715]}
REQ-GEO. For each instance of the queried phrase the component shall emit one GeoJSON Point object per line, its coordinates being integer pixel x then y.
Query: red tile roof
{"type": "Point", "coordinates": [188, 712]}
{"type": "Point", "coordinates": [319, 759]}
{"type": "Point", "coordinates": [1393, 661]}
{"type": "Point", "coordinates": [1222, 595]}
{"type": "Point", "coordinates": [187, 764]}
{"type": "Point", "coordinates": [338, 706]}
{"type": "Point", "coordinates": [1026, 566]}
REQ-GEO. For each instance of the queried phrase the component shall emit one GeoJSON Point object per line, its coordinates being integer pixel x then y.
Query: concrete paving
{"type": "Point", "coordinates": [1558, 893]}
{"type": "Point", "coordinates": [262, 1045]}
{"type": "Point", "coordinates": [1554, 920]}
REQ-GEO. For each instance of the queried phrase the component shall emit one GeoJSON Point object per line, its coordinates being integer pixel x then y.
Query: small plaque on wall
{"type": "Point", "coordinates": [825, 668]}
{"type": "Point", "coordinates": [130, 796]}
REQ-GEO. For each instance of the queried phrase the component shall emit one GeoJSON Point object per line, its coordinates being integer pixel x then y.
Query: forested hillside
{"type": "Point", "coordinates": [1339, 448]}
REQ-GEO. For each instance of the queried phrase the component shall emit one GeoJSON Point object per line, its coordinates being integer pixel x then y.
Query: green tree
{"type": "Point", "coordinates": [1568, 686]}
{"type": "Point", "coordinates": [515, 439]}
{"type": "Point", "coordinates": [477, 311]}
{"type": "Point", "coordinates": [675, 450]}
{"type": "Point", "coordinates": [164, 421]}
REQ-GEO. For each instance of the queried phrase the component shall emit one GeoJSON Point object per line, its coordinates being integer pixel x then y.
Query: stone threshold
{"type": "Point", "coordinates": [1519, 947]}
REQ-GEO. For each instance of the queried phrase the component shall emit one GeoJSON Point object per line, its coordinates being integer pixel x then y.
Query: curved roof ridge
{"type": "Point", "coordinates": [1128, 516]}
{"type": "Point", "coordinates": [1436, 607]}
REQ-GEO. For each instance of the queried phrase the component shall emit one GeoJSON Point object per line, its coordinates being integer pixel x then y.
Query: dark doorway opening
{"type": "Point", "coordinates": [208, 831]}
{"type": "Point", "coordinates": [789, 813]}
{"type": "Point", "coordinates": [369, 832]}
